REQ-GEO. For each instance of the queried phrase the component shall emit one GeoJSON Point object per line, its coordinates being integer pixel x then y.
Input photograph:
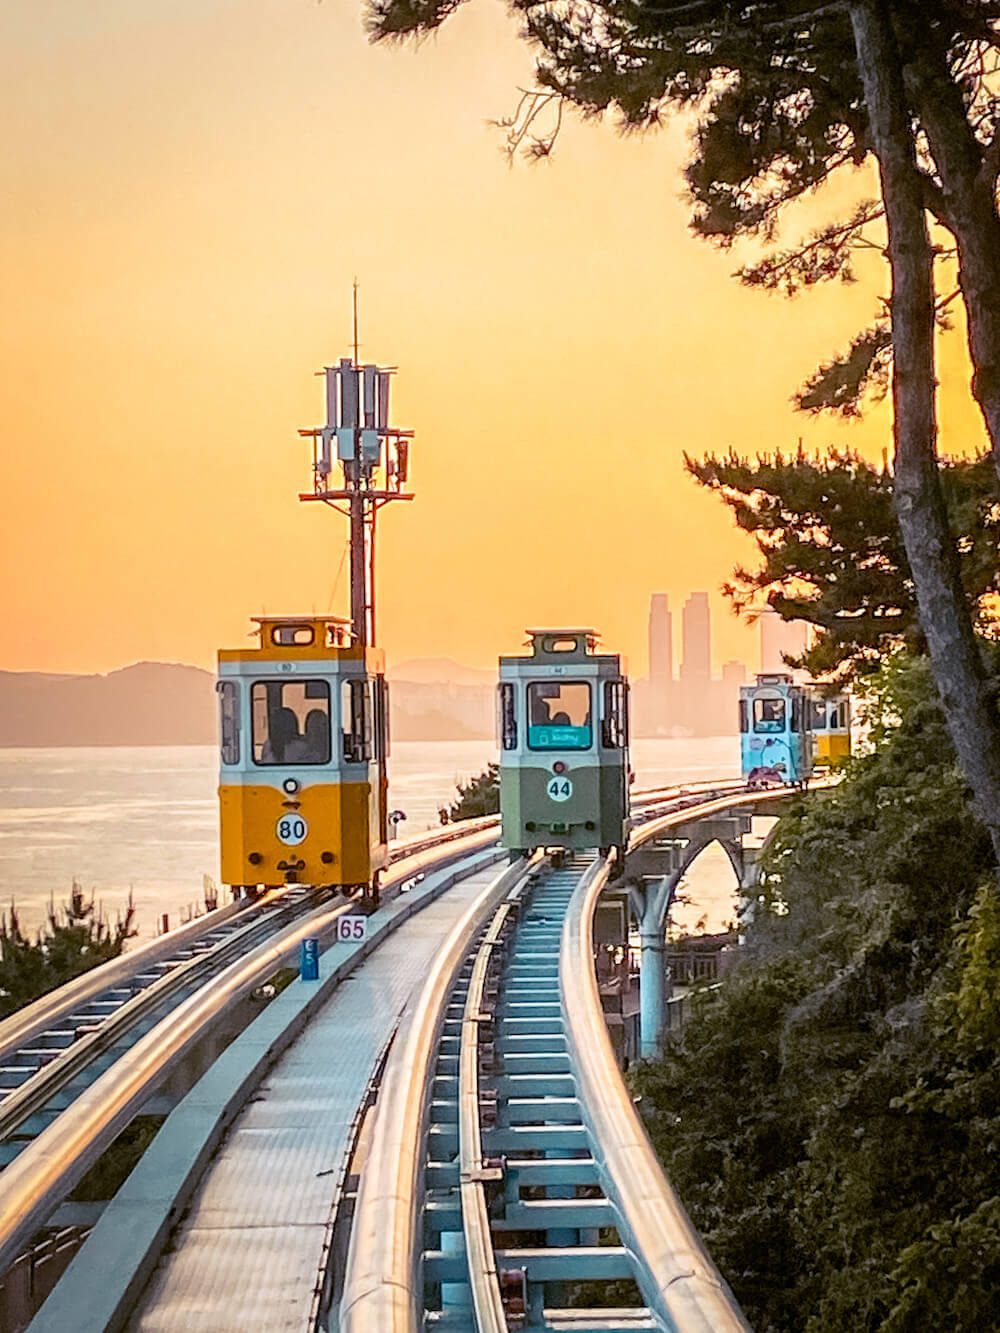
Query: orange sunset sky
{"type": "Point", "coordinates": [189, 187]}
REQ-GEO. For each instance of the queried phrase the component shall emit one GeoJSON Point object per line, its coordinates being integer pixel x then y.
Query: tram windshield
{"type": "Point", "coordinates": [559, 715]}
{"type": "Point", "coordinates": [291, 722]}
{"type": "Point", "coordinates": [768, 715]}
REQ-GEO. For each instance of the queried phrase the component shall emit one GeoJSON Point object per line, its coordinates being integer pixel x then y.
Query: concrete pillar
{"type": "Point", "coordinates": [650, 901]}
{"type": "Point", "coordinates": [652, 993]}
{"type": "Point", "coordinates": [749, 884]}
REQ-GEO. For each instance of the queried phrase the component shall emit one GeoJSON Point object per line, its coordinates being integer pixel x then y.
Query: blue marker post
{"type": "Point", "coordinates": [309, 959]}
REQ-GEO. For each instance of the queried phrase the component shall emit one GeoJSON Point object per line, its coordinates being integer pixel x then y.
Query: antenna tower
{"type": "Point", "coordinates": [360, 464]}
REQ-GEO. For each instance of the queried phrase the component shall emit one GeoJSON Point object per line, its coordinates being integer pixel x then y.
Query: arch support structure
{"type": "Point", "coordinates": [652, 873]}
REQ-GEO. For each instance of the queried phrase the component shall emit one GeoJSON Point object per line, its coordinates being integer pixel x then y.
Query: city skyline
{"type": "Point", "coordinates": [695, 697]}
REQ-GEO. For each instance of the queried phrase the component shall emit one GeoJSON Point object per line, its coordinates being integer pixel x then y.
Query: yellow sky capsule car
{"type": "Point", "coordinates": [304, 734]}
{"type": "Point", "coordinates": [831, 727]}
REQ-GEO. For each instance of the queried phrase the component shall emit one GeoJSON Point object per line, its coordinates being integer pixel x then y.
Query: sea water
{"type": "Point", "coordinates": [144, 820]}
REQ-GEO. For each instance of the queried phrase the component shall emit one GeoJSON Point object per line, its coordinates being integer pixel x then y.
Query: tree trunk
{"type": "Point", "coordinates": [956, 662]}
{"type": "Point", "coordinates": [968, 182]}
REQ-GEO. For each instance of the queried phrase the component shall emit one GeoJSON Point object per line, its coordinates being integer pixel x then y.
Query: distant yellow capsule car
{"type": "Point", "coordinates": [303, 793]}
{"type": "Point", "coordinates": [831, 726]}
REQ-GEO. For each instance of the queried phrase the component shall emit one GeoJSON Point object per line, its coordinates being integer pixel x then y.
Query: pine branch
{"type": "Point", "coordinates": [824, 256]}
{"type": "Point", "coordinates": [840, 385]}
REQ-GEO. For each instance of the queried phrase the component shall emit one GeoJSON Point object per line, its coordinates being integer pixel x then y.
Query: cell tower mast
{"type": "Point", "coordinates": [360, 464]}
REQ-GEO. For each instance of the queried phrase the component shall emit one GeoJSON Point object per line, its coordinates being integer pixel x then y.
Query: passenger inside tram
{"type": "Point", "coordinates": [316, 741]}
{"type": "Point", "coordinates": [282, 737]}
{"type": "Point", "coordinates": [291, 723]}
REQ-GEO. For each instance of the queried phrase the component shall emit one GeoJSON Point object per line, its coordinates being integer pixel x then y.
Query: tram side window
{"type": "Point", "coordinates": [356, 719]}
{"type": "Point", "coordinates": [507, 716]}
{"type": "Point", "coordinates": [229, 721]}
{"type": "Point", "coordinates": [744, 721]}
{"type": "Point", "coordinates": [381, 687]}
{"type": "Point", "coordinates": [768, 715]}
{"type": "Point", "coordinates": [818, 709]}
{"type": "Point", "coordinates": [838, 715]}
{"type": "Point", "coordinates": [291, 721]}
{"type": "Point", "coordinates": [559, 715]}
{"type": "Point", "coordinates": [614, 729]}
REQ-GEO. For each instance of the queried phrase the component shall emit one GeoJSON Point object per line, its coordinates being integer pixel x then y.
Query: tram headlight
{"type": "Point", "coordinates": [291, 785]}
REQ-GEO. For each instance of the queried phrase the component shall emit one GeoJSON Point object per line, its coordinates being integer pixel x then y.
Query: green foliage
{"type": "Point", "coordinates": [829, 1117]}
{"type": "Point", "coordinates": [106, 1177]}
{"type": "Point", "coordinates": [479, 796]}
{"type": "Point", "coordinates": [74, 939]}
{"type": "Point", "coordinates": [831, 552]}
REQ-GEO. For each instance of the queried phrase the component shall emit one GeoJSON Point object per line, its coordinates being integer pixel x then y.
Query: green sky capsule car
{"type": "Point", "coordinates": [563, 730]}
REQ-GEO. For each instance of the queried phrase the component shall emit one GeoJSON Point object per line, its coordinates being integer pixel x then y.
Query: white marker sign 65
{"type": "Point", "coordinates": [352, 928]}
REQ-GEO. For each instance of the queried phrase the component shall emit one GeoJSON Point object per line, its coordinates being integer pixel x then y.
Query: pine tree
{"type": "Point", "coordinates": [477, 797]}
{"type": "Point", "coordinates": [76, 937]}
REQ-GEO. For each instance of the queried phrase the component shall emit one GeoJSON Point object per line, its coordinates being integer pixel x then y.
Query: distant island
{"type": "Point", "coordinates": [169, 703]}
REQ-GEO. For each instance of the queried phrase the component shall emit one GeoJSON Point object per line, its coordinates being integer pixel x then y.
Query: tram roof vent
{"type": "Point", "coordinates": [303, 631]}
{"type": "Point", "coordinates": [557, 642]}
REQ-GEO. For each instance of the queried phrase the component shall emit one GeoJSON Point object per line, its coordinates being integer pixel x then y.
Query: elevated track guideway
{"type": "Point", "coordinates": [443, 1141]}
{"type": "Point", "coordinates": [521, 1202]}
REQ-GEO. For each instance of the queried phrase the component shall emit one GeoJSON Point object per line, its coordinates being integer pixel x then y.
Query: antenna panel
{"type": "Point", "coordinates": [348, 395]}
{"type": "Point", "coordinates": [323, 460]}
{"type": "Point", "coordinates": [383, 399]}
{"type": "Point", "coordinates": [370, 380]}
{"type": "Point", "coordinates": [332, 420]}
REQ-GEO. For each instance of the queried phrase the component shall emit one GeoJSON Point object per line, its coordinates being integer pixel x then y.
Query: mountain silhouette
{"type": "Point", "coordinates": [150, 703]}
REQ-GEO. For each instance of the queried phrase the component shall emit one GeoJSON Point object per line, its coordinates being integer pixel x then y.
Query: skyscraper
{"type": "Point", "coordinates": [734, 674]}
{"type": "Point", "coordinates": [661, 641]}
{"type": "Point", "coordinates": [779, 636]}
{"type": "Point", "coordinates": [659, 688]}
{"type": "Point", "coordinates": [697, 634]}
